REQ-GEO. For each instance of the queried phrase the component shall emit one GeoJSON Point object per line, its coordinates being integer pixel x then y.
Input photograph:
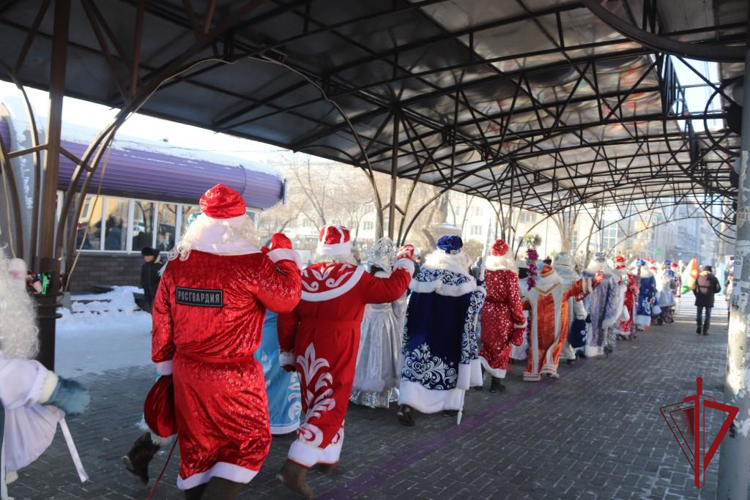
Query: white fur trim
{"type": "Point", "coordinates": [155, 438]}
{"type": "Point", "coordinates": [164, 368]}
{"type": "Point", "coordinates": [442, 261]}
{"type": "Point", "coordinates": [49, 386]}
{"type": "Point", "coordinates": [499, 263]}
{"type": "Point", "coordinates": [336, 292]}
{"type": "Point", "coordinates": [620, 298]}
{"type": "Point", "coordinates": [495, 372]}
{"type": "Point", "coordinates": [405, 264]}
{"type": "Point", "coordinates": [522, 325]}
{"type": "Point", "coordinates": [223, 470]}
{"type": "Point", "coordinates": [287, 358]}
{"type": "Point", "coordinates": [285, 254]}
{"type": "Point", "coordinates": [304, 454]}
{"type": "Point", "coordinates": [332, 453]}
{"type": "Point", "coordinates": [429, 401]}
{"type": "Point", "coordinates": [596, 266]}
{"type": "Point", "coordinates": [336, 249]}
{"type": "Point", "coordinates": [587, 285]}
{"type": "Point", "coordinates": [444, 289]}
{"type": "Point", "coordinates": [531, 377]}
{"type": "Point", "coordinates": [469, 375]}
{"type": "Point", "coordinates": [593, 351]}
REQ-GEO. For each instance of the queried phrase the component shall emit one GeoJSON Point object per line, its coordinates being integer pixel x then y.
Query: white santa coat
{"type": "Point", "coordinates": [29, 425]}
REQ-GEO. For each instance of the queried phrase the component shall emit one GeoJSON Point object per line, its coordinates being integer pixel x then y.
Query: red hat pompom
{"type": "Point", "coordinates": [500, 248]}
{"type": "Point", "coordinates": [222, 202]}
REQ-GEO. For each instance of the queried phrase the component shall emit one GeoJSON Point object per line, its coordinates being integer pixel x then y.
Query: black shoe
{"type": "Point", "coordinates": [450, 413]}
{"type": "Point", "coordinates": [497, 385]}
{"type": "Point", "coordinates": [405, 416]}
{"type": "Point", "coordinates": [570, 361]}
{"type": "Point", "coordinates": [140, 456]}
{"type": "Point", "coordinates": [705, 328]}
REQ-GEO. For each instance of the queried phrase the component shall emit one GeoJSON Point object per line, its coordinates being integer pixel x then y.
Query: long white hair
{"type": "Point", "coordinates": [224, 237]}
{"type": "Point", "coordinates": [19, 336]}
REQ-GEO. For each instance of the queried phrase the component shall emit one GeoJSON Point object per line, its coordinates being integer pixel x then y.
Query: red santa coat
{"type": "Point", "coordinates": [207, 323]}
{"type": "Point", "coordinates": [503, 321]}
{"type": "Point", "coordinates": [631, 292]}
{"type": "Point", "coordinates": [321, 338]}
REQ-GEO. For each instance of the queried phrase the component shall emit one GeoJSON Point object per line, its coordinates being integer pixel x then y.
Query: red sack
{"type": "Point", "coordinates": [158, 410]}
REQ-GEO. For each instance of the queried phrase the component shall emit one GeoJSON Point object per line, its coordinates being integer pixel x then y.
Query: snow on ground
{"type": "Point", "coordinates": [100, 336]}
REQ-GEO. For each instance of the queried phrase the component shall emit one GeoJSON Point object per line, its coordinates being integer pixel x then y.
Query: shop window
{"type": "Point", "coordinates": [143, 225]}
{"type": "Point", "coordinates": [116, 224]}
{"type": "Point", "coordinates": [89, 230]}
{"type": "Point", "coordinates": [165, 235]}
{"type": "Point", "coordinates": [368, 225]}
{"type": "Point", "coordinates": [188, 211]}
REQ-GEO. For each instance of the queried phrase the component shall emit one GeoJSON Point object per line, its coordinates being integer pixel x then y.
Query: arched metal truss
{"type": "Point", "coordinates": [534, 104]}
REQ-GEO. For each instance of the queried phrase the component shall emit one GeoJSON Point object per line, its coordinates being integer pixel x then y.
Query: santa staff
{"type": "Point", "coordinates": [207, 323]}
{"type": "Point", "coordinates": [320, 340]}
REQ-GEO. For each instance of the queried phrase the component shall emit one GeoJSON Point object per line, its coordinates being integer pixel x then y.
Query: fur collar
{"type": "Point", "coordinates": [567, 274]}
{"type": "Point", "coordinates": [441, 261]}
{"type": "Point", "coordinates": [545, 285]}
{"type": "Point", "coordinates": [499, 263]}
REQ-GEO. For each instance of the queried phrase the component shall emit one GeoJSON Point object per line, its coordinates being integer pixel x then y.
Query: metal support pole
{"type": "Point", "coordinates": [394, 178]}
{"type": "Point", "coordinates": [48, 263]}
{"type": "Point", "coordinates": [734, 461]}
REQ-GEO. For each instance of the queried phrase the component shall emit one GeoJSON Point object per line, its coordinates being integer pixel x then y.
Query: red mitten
{"type": "Point", "coordinates": [158, 410]}
{"type": "Point", "coordinates": [280, 240]}
{"type": "Point", "coordinates": [405, 252]}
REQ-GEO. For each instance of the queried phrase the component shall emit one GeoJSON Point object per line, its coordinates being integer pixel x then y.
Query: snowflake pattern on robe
{"type": "Point", "coordinates": [423, 366]}
{"type": "Point", "coordinates": [430, 371]}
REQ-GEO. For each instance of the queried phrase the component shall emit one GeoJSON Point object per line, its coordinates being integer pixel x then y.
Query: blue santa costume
{"type": "Point", "coordinates": [440, 359]}
{"type": "Point", "coordinates": [284, 399]}
{"type": "Point", "coordinates": [604, 306]}
{"type": "Point", "coordinates": [647, 300]}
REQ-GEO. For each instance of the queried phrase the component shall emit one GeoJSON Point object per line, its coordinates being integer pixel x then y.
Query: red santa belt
{"type": "Point", "coordinates": [330, 323]}
{"type": "Point", "coordinates": [210, 359]}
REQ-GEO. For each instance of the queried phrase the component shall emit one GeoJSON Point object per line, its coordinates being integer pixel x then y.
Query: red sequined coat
{"type": "Point", "coordinates": [321, 339]}
{"type": "Point", "coordinates": [207, 323]}
{"type": "Point", "coordinates": [631, 292]}
{"type": "Point", "coordinates": [503, 321]}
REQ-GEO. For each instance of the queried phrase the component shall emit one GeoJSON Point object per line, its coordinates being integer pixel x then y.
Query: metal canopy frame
{"type": "Point", "coordinates": [535, 104]}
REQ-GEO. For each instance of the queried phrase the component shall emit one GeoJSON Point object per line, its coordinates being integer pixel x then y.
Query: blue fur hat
{"type": "Point", "coordinates": [450, 244]}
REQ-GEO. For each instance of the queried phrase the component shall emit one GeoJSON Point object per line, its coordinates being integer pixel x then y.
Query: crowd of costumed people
{"type": "Point", "coordinates": [248, 343]}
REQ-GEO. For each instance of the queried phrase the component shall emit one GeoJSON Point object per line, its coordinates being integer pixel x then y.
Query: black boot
{"type": "Point", "coordinates": [705, 327]}
{"type": "Point", "coordinates": [294, 476]}
{"type": "Point", "coordinates": [405, 416]}
{"type": "Point", "coordinates": [497, 385]}
{"type": "Point", "coordinates": [699, 330]}
{"type": "Point", "coordinates": [140, 456]}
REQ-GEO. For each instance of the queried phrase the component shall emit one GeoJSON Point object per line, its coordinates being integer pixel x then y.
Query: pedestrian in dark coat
{"type": "Point", "coordinates": [150, 274]}
{"type": "Point", "coordinates": [705, 287]}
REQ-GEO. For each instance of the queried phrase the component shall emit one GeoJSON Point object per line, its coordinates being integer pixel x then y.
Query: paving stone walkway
{"type": "Point", "coordinates": [595, 433]}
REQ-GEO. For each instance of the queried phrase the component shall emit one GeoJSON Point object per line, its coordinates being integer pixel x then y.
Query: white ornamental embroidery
{"type": "Point", "coordinates": [324, 275]}
{"type": "Point", "coordinates": [318, 401]}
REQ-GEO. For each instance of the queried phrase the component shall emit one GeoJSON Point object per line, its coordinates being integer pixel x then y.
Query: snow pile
{"type": "Point", "coordinates": [113, 312]}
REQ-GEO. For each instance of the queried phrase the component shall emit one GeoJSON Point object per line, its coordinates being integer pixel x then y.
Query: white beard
{"type": "Point", "coordinates": [19, 337]}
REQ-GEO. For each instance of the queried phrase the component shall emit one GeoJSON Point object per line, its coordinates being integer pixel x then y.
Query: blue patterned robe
{"type": "Point", "coordinates": [602, 306]}
{"type": "Point", "coordinates": [646, 300]}
{"type": "Point", "coordinates": [284, 403]}
{"type": "Point", "coordinates": [440, 353]}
